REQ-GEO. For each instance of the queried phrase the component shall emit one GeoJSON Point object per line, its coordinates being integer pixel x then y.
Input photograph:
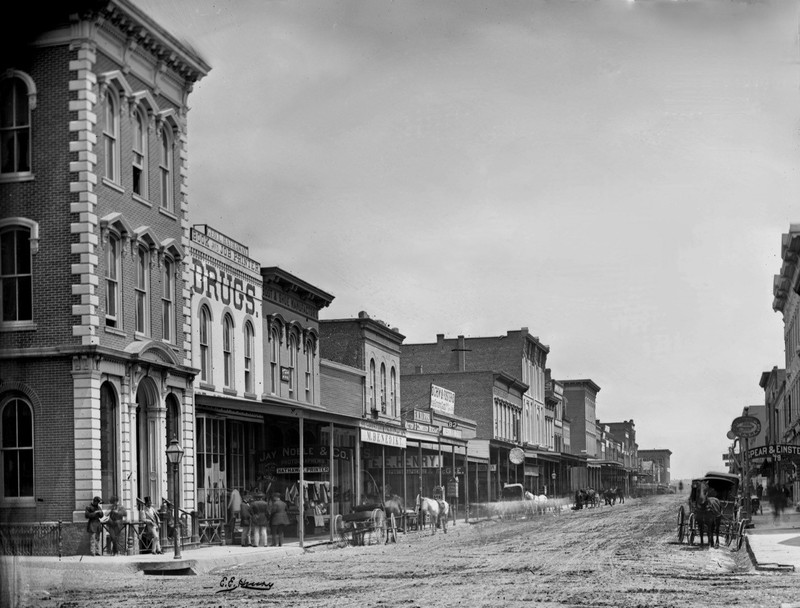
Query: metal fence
{"type": "Point", "coordinates": [30, 539]}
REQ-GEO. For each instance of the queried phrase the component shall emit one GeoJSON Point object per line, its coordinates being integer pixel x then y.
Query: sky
{"type": "Point", "coordinates": [613, 175]}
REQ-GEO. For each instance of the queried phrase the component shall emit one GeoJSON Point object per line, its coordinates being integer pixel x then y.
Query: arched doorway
{"type": "Point", "coordinates": [109, 443]}
{"type": "Point", "coordinates": [147, 444]}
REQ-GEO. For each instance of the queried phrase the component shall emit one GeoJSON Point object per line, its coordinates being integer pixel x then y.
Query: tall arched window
{"type": "Point", "coordinates": [108, 440]}
{"type": "Point", "coordinates": [274, 360]}
{"type": "Point", "coordinates": [168, 301]}
{"type": "Point", "coordinates": [16, 284]}
{"type": "Point", "coordinates": [373, 405]}
{"type": "Point", "coordinates": [310, 372]}
{"type": "Point", "coordinates": [143, 291]}
{"type": "Point", "coordinates": [15, 126]}
{"type": "Point", "coordinates": [16, 447]}
{"type": "Point", "coordinates": [227, 350]}
{"type": "Point", "coordinates": [113, 273]}
{"type": "Point", "coordinates": [249, 346]}
{"type": "Point", "coordinates": [165, 169]}
{"type": "Point", "coordinates": [292, 345]}
{"type": "Point", "coordinates": [111, 138]}
{"type": "Point", "coordinates": [383, 388]}
{"type": "Point", "coordinates": [139, 149]}
{"type": "Point", "coordinates": [393, 391]}
{"type": "Point", "coordinates": [204, 340]}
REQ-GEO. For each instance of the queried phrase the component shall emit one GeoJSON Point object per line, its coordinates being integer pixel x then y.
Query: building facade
{"type": "Point", "coordinates": [94, 340]}
{"type": "Point", "coordinates": [660, 459]}
{"type": "Point", "coordinates": [786, 291]}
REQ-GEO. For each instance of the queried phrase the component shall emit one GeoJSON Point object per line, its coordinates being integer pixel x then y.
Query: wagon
{"type": "Point", "coordinates": [725, 486]}
{"type": "Point", "coordinates": [359, 528]}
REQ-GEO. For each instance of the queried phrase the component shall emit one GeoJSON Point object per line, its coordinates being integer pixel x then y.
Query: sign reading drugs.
{"type": "Point", "coordinates": [442, 400]}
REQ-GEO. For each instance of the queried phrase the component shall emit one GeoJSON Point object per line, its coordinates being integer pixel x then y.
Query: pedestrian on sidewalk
{"type": "Point", "coordinates": [245, 514]}
{"type": "Point", "coordinates": [94, 513]}
{"type": "Point", "coordinates": [234, 509]}
{"type": "Point", "coordinates": [279, 519]}
{"type": "Point", "coordinates": [259, 520]}
{"type": "Point", "coordinates": [151, 523]}
{"type": "Point", "coordinates": [116, 519]}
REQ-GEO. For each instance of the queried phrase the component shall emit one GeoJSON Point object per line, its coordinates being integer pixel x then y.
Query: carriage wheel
{"type": "Point", "coordinates": [378, 521]}
{"type": "Point", "coordinates": [729, 534]}
{"type": "Point", "coordinates": [681, 524]}
{"type": "Point", "coordinates": [692, 528]}
{"type": "Point", "coordinates": [740, 535]}
{"type": "Point", "coordinates": [340, 532]}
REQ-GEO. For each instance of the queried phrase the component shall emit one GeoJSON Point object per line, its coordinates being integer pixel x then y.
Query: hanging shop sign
{"type": "Point", "coordinates": [443, 400]}
{"type": "Point", "coordinates": [421, 428]}
{"type": "Point", "coordinates": [746, 426]}
{"type": "Point", "coordinates": [777, 449]}
{"type": "Point", "coordinates": [382, 438]}
{"type": "Point", "coordinates": [451, 432]}
{"type": "Point", "coordinates": [516, 455]}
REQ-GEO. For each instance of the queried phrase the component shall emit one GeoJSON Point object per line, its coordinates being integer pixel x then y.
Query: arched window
{"type": "Point", "coordinates": [16, 278]}
{"type": "Point", "coordinates": [274, 360]}
{"type": "Point", "coordinates": [373, 405]}
{"type": "Point", "coordinates": [111, 138]}
{"type": "Point", "coordinates": [16, 447]}
{"type": "Point", "coordinates": [227, 350]}
{"type": "Point", "coordinates": [15, 126]}
{"type": "Point", "coordinates": [205, 345]}
{"type": "Point", "coordinates": [383, 388]}
{"type": "Point", "coordinates": [310, 372]}
{"type": "Point", "coordinates": [249, 346]}
{"type": "Point", "coordinates": [108, 440]}
{"type": "Point", "coordinates": [292, 345]}
{"type": "Point", "coordinates": [393, 391]}
{"type": "Point", "coordinates": [113, 256]}
{"type": "Point", "coordinates": [139, 149]}
{"type": "Point", "coordinates": [165, 169]}
{"type": "Point", "coordinates": [168, 301]}
{"type": "Point", "coordinates": [143, 291]}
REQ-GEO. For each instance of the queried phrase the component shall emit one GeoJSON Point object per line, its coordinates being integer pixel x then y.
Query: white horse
{"type": "Point", "coordinates": [436, 511]}
{"type": "Point", "coordinates": [538, 503]}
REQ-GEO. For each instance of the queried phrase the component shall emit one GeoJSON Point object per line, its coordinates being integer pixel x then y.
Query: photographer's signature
{"type": "Point", "coordinates": [229, 583]}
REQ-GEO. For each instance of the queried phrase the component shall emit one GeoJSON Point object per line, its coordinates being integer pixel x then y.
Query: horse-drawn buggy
{"type": "Point", "coordinates": [713, 509]}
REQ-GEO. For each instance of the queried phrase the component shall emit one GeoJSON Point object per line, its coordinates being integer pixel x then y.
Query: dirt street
{"type": "Point", "coordinates": [622, 556]}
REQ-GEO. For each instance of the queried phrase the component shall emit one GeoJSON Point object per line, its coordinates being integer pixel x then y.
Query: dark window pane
{"type": "Point", "coordinates": [10, 474]}
{"type": "Point", "coordinates": [23, 247]}
{"type": "Point", "coordinates": [9, 423]}
{"type": "Point", "coordinates": [7, 249]}
{"type": "Point", "coordinates": [25, 300]}
{"type": "Point", "coordinates": [26, 473]}
{"type": "Point", "coordinates": [9, 288]}
{"type": "Point", "coordinates": [24, 425]}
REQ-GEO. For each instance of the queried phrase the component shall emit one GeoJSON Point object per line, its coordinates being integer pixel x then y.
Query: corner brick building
{"type": "Point", "coordinates": [95, 344]}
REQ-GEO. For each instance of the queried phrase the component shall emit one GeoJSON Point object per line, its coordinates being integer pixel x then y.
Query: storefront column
{"type": "Point", "coordinates": [301, 516]}
{"type": "Point", "coordinates": [331, 514]}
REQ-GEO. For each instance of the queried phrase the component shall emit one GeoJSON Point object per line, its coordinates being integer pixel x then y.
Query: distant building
{"type": "Point", "coordinates": [661, 464]}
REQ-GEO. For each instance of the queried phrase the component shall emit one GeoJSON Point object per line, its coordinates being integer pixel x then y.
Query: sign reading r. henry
{"type": "Point", "coordinates": [442, 400]}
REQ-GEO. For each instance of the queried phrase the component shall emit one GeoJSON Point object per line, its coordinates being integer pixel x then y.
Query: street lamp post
{"type": "Point", "coordinates": [554, 490]}
{"type": "Point", "coordinates": [174, 457]}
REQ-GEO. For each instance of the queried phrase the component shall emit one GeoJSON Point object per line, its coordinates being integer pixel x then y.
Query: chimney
{"type": "Point", "coordinates": [440, 340]}
{"type": "Point", "coordinates": [462, 355]}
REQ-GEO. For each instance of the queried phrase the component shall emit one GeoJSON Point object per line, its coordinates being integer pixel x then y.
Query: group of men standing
{"type": "Point", "coordinates": [257, 515]}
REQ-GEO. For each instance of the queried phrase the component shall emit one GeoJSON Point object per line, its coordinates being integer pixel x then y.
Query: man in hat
{"type": "Point", "coordinates": [259, 520]}
{"type": "Point", "coordinates": [279, 519]}
{"type": "Point", "coordinates": [152, 521]}
{"type": "Point", "coordinates": [94, 513]}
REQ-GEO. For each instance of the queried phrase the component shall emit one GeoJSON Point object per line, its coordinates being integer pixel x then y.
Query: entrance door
{"type": "Point", "coordinates": [147, 444]}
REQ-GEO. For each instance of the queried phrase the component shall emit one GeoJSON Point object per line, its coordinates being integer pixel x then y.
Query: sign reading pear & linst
{"type": "Point", "coordinates": [746, 426]}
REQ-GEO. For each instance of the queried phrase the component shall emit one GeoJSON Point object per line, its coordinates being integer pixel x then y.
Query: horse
{"type": "Point", "coordinates": [394, 505]}
{"type": "Point", "coordinates": [610, 496]}
{"type": "Point", "coordinates": [436, 511]}
{"type": "Point", "coordinates": [707, 514]}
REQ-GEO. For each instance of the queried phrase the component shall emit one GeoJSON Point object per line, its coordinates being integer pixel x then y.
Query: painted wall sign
{"type": "Point", "coordinates": [286, 374]}
{"type": "Point", "coordinates": [217, 284]}
{"type": "Point", "coordinates": [371, 436]}
{"type": "Point", "coordinates": [236, 254]}
{"type": "Point", "coordinates": [422, 416]}
{"type": "Point", "coordinates": [746, 426]}
{"type": "Point", "coordinates": [286, 301]}
{"type": "Point", "coordinates": [442, 400]}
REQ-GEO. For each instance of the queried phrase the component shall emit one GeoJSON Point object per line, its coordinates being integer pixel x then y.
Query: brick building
{"type": "Point", "coordinates": [94, 346]}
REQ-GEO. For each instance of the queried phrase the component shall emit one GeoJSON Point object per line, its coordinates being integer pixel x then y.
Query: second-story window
{"type": "Point", "coordinates": [274, 361]}
{"type": "Point", "coordinates": [112, 281]}
{"type": "Point", "coordinates": [16, 275]}
{"type": "Point", "coordinates": [292, 344]}
{"type": "Point", "coordinates": [168, 302]}
{"type": "Point", "coordinates": [309, 372]}
{"type": "Point", "coordinates": [165, 169]}
{"type": "Point", "coordinates": [373, 404]}
{"type": "Point", "coordinates": [249, 341]}
{"type": "Point", "coordinates": [15, 127]}
{"type": "Point", "coordinates": [143, 291]}
{"type": "Point", "coordinates": [111, 138]}
{"type": "Point", "coordinates": [227, 350]}
{"type": "Point", "coordinates": [393, 391]}
{"type": "Point", "coordinates": [383, 388]}
{"type": "Point", "coordinates": [139, 155]}
{"type": "Point", "coordinates": [204, 340]}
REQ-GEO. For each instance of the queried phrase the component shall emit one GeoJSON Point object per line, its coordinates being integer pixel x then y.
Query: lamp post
{"type": "Point", "coordinates": [554, 490]}
{"type": "Point", "coordinates": [174, 457]}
